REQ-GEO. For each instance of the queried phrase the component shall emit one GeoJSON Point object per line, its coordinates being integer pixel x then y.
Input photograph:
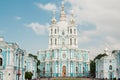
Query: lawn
{"type": "Point", "coordinates": [66, 79]}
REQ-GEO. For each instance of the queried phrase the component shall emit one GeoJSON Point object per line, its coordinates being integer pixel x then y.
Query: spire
{"type": "Point", "coordinates": [62, 13]}
{"type": "Point", "coordinates": [106, 51]}
{"type": "Point", "coordinates": [53, 19]}
{"type": "Point", "coordinates": [1, 38]}
{"type": "Point", "coordinates": [72, 20]}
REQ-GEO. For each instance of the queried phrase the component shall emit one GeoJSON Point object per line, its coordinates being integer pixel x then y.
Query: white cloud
{"type": "Point", "coordinates": [18, 18]}
{"type": "Point", "coordinates": [105, 15]}
{"type": "Point", "coordinates": [38, 28]}
{"type": "Point", "coordinates": [115, 43]}
{"type": "Point", "coordinates": [83, 39]}
{"type": "Point", "coordinates": [48, 7]}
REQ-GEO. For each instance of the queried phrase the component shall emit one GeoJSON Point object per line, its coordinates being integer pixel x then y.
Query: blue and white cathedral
{"type": "Point", "coordinates": [63, 58]}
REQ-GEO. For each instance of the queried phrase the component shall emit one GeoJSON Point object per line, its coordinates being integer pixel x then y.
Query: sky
{"type": "Point", "coordinates": [26, 22]}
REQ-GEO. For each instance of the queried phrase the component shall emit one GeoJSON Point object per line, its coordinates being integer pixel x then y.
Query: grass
{"type": "Point", "coordinates": [66, 79]}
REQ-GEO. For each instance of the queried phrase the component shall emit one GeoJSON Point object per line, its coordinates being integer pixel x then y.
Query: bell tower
{"type": "Point", "coordinates": [63, 33]}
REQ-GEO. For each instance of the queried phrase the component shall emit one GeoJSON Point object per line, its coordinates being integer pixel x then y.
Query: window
{"type": "Point", "coordinates": [25, 67]}
{"type": "Point", "coordinates": [70, 31]}
{"type": "Point", "coordinates": [63, 43]}
{"type": "Point", "coordinates": [47, 67]}
{"type": "Point", "coordinates": [110, 61]}
{"type": "Point", "coordinates": [51, 31]}
{"type": "Point", "coordinates": [51, 71]}
{"type": "Point", "coordinates": [70, 41]}
{"type": "Point", "coordinates": [83, 70]}
{"type": "Point", "coordinates": [75, 41]}
{"type": "Point", "coordinates": [110, 67]}
{"type": "Point", "coordinates": [74, 31]}
{"type": "Point", "coordinates": [55, 31]}
{"type": "Point", "coordinates": [71, 69]}
{"type": "Point", "coordinates": [1, 62]}
{"type": "Point", "coordinates": [56, 66]}
{"type": "Point", "coordinates": [43, 70]}
{"type": "Point", "coordinates": [51, 41]}
{"type": "Point", "coordinates": [63, 33]}
{"type": "Point", "coordinates": [55, 41]}
{"type": "Point", "coordinates": [0, 50]}
{"type": "Point", "coordinates": [76, 69]}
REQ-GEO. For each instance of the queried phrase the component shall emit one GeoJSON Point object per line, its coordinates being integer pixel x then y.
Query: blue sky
{"type": "Point", "coordinates": [26, 22]}
{"type": "Point", "coordinates": [13, 17]}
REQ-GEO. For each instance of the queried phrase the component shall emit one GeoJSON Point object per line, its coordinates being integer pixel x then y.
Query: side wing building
{"type": "Point", "coordinates": [11, 61]}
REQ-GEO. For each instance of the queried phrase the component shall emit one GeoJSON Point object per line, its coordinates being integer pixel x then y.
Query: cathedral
{"type": "Point", "coordinates": [63, 58]}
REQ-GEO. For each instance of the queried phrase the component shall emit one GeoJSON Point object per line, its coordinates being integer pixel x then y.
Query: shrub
{"type": "Point", "coordinates": [28, 75]}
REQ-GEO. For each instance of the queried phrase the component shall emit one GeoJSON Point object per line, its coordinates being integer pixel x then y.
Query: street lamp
{"type": "Point", "coordinates": [20, 52]}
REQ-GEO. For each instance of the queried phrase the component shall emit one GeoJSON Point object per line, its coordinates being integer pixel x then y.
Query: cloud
{"type": "Point", "coordinates": [38, 28]}
{"type": "Point", "coordinates": [18, 18]}
{"type": "Point", "coordinates": [104, 15]}
{"type": "Point", "coordinates": [98, 23]}
{"type": "Point", "coordinates": [48, 7]}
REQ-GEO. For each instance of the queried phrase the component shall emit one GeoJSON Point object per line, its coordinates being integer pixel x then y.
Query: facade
{"type": "Point", "coordinates": [108, 66]}
{"type": "Point", "coordinates": [117, 57]}
{"type": "Point", "coordinates": [31, 66]}
{"type": "Point", "coordinates": [63, 57]}
{"type": "Point", "coordinates": [11, 61]}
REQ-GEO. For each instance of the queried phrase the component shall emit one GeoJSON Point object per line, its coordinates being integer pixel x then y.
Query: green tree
{"type": "Point", "coordinates": [28, 75]}
{"type": "Point", "coordinates": [38, 62]}
{"type": "Point", "coordinates": [99, 56]}
{"type": "Point", "coordinates": [92, 68]}
{"type": "Point", "coordinates": [38, 70]}
{"type": "Point", "coordinates": [92, 64]}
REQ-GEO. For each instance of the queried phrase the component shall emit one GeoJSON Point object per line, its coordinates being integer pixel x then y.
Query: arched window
{"type": "Point", "coordinates": [70, 41]}
{"type": "Point", "coordinates": [75, 41]}
{"type": "Point", "coordinates": [83, 70]}
{"type": "Point", "coordinates": [55, 31]}
{"type": "Point", "coordinates": [43, 70]}
{"type": "Point", "coordinates": [1, 62]}
{"type": "Point", "coordinates": [55, 41]}
{"type": "Point", "coordinates": [56, 66]}
{"type": "Point", "coordinates": [76, 69]}
{"type": "Point", "coordinates": [51, 71]}
{"type": "Point", "coordinates": [74, 31]}
{"type": "Point", "coordinates": [51, 31]}
{"type": "Point", "coordinates": [63, 33]}
{"type": "Point", "coordinates": [70, 31]}
{"type": "Point", "coordinates": [0, 50]}
{"type": "Point", "coordinates": [51, 41]}
{"type": "Point", "coordinates": [110, 67]}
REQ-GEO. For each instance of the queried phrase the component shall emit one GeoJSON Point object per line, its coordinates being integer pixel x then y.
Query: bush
{"type": "Point", "coordinates": [28, 75]}
{"type": "Point", "coordinates": [114, 78]}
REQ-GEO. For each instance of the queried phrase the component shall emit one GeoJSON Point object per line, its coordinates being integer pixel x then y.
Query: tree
{"type": "Point", "coordinates": [28, 75]}
{"type": "Point", "coordinates": [38, 70]}
{"type": "Point", "coordinates": [92, 68]}
{"type": "Point", "coordinates": [99, 56]}
{"type": "Point", "coordinates": [38, 62]}
{"type": "Point", "coordinates": [92, 64]}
